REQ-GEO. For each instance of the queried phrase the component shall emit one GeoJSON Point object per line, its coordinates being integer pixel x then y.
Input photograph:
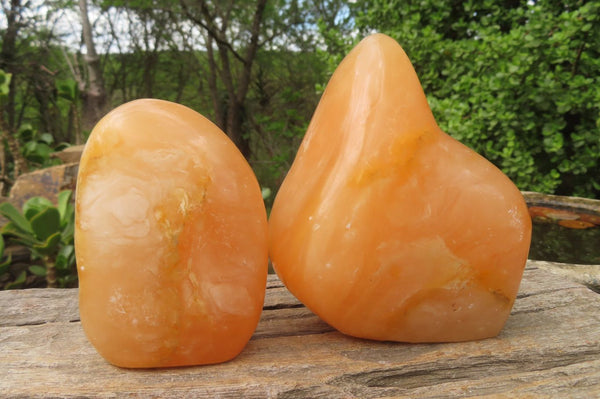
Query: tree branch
{"type": "Point", "coordinates": [252, 49]}
{"type": "Point", "coordinates": [577, 59]}
{"type": "Point", "coordinates": [211, 30]}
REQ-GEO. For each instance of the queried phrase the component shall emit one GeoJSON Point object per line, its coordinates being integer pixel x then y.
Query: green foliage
{"type": "Point", "coordinates": [281, 103]}
{"type": "Point", "coordinates": [4, 263]}
{"type": "Point", "coordinates": [36, 147]}
{"type": "Point", "coordinates": [4, 83]}
{"type": "Point", "coordinates": [47, 231]}
{"type": "Point", "coordinates": [519, 82]}
{"type": "Point", "coordinates": [67, 89]}
{"type": "Point", "coordinates": [17, 282]}
{"type": "Point", "coordinates": [33, 144]}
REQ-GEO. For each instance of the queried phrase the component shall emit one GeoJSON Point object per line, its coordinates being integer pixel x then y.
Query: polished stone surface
{"type": "Point", "coordinates": [171, 239]}
{"type": "Point", "coordinates": [388, 228]}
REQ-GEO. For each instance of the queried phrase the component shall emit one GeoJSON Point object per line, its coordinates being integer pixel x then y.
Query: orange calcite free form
{"type": "Point", "coordinates": [388, 228]}
{"type": "Point", "coordinates": [170, 239]}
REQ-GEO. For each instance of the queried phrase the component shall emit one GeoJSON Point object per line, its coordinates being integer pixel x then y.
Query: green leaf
{"type": "Point", "coordinates": [4, 82]}
{"type": "Point", "coordinates": [68, 232]}
{"type": "Point", "coordinates": [35, 205]}
{"type": "Point", "coordinates": [65, 257]}
{"type": "Point", "coordinates": [37, 151]}
{"type": "Point", "coordinates": [11, 213]}
{"type": "Point", "coordinates": [38, 270]}
{"type": "Point", "coordinates": [4, 265]}
{"type": "Point", "coordinates": [26, 133]}
{"type": "Point", "coordinates": [46, 223]}
{"type": "Point", "coordinates": [67, 89]}
{"type": "Point", "coordinates": [48, 246]}
{"type": "Point", "coordinates": [64, 204]}
{"type": "Point", "coordinates": [266, 192]}
{"type": "Point", "coordinates": [18, 281]}
{"type": "Point", "coordinates": [23, 237]}
{"type": "Point", "coordinates": [47, 138]}
{"type": "Point", "coordinates": [61, 146]}
{"type": "Point", "coordinates": [7, 261]}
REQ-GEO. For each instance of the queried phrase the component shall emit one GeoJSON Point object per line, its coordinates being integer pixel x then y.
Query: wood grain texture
{"type": "Point", "coordinates": [550, 347]}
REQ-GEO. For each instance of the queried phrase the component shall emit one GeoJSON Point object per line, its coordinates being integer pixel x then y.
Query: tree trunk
{"type": "Point", "coordinates": [235, 120]}
{"type": "Point", "coordinates": [149, 59]}
{"type": "Point", "coordinates": [8, 119]}
{"type": "Point", "coordinates": [7, 58]}
{"type": "Point", "coordinates": [230, 119]}
{"type": "Point", "coordinates": [212, 85]}
{"type": "Point", "coordinates": [252, 48]}
{"type": "Point", "coordinates": [14, 149]}
{"type": "Point", "coordinates": [93, 91]}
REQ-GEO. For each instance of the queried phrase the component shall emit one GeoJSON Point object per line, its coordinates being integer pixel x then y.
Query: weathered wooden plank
{"type": "Point", "coordinates": [549, 348]}
{"type": "Point", "coordinates": [588, 275]}
{"type": "Point", "coordinates": [38, 306]}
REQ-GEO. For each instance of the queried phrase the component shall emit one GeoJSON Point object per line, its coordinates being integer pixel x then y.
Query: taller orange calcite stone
{"type": "Point", "coordinates": [385, 226]}
{"type": "Point", "coordinates": [170, 240]}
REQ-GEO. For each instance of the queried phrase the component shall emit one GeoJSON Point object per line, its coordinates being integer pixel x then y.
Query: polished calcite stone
{"type": "Point", "coordinates": [171, 239]}
{"type": "Point", "coordinates": [388, 228]}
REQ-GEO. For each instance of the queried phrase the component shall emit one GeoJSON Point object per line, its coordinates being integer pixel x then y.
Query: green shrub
{"type": "Point", "coordinates": [47, 231]}
{"type": "Point", "coordinates": [519, 82]}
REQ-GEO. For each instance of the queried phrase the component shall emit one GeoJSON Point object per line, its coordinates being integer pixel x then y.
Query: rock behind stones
{"type": "Point", "coordinates": [70, 154]}
{"type": "Point", "coordinates": [45, 183]}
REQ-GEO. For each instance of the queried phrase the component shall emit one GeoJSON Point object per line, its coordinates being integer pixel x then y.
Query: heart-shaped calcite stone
{"type": "Point", "coordinates": [388, 228]}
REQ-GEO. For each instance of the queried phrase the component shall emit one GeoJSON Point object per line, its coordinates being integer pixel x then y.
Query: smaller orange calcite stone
{"type": "Point", "coordinates": [388, 228]}
{"type": "Point", "coordinates": [170, 239]}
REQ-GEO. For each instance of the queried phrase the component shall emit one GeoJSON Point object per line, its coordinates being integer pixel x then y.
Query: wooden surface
{"type": "Point", "coordinates": [550, 347]}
